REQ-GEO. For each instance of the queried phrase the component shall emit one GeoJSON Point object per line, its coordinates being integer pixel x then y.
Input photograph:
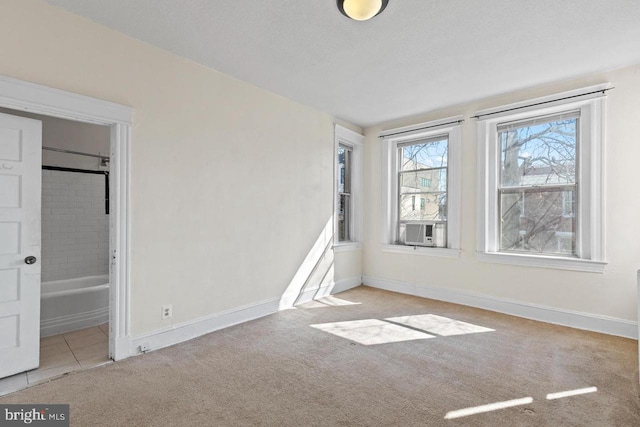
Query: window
{"type": "Point", "coordinates": [538, 164]}
{"type": "Point", "coordinates": [348, 189]}
{"type": "Point", "coordinates": [542, 169]}
{"type": "Point", "coordinates": [420, 161]}
{"type": "Point", "coordinates": [421, 191]}
{"type": "Point", "coordinates": [344, 193]}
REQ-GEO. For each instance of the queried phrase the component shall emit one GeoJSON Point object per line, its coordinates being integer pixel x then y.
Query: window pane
{"type": "Point", "coordinates": [423, 181]}
{"type": "Point", "coordinates": [538, 154]}
{"type": "Point", "coordinates": [423, 207]}
{"type": "Point", "coordinates": [537, 221]}
{"type": "Point", "coordinates": [344, 170]}
{"type": "Point", "coordinates": [344, 215]}
{"type": "Point", "coordinates": [432, 154]}
{"type": "Point", "coordinates": [344, 194]}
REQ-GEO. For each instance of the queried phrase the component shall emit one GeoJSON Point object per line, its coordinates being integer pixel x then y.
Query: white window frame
{"type": "Point", "coordinates": [590, 213]}
{"type": "Point", "coordinates": [450, 126]}
{"type": "Point", "coordinates": [355, 141]}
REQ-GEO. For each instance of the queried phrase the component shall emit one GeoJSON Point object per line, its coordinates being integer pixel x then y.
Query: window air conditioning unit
{"type": "Point", "coordinates": [425, 234]}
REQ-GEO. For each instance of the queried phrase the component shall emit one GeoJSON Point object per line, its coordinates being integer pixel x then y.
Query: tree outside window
{"type": "Point", "coordinates": [538, 187]}
{"type": "Point", "coordinates": [422, 174]}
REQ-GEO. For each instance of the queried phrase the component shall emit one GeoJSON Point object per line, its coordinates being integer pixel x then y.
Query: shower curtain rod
{"type": "Point", "coordinates": [62, 150]}
{"type": "Point", "coordinates": [106, 180]}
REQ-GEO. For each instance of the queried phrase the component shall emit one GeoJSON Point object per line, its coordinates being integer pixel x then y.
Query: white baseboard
{"type": "Point", "coordinates": [346, 284]}
{"type": "Point", "coordinates": [329, 289]}
{"type": "Point", "coordinates": [60, 325]}
{"type": "Point", "coordinates": [188, 330]}
{"type": "Point", "coordinates": [192, 329]}
{"type": "Point", "coordinates": [573, 319]}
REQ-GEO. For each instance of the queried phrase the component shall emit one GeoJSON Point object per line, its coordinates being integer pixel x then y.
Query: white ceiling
{"type": "Point", "coordinates": [417, 56]}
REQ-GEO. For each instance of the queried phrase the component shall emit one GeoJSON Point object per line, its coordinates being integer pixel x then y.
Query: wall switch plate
{"type": "Point", "coordinates": [167, 311]}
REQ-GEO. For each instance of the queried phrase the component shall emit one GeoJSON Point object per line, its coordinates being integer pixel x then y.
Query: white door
{"type": "Point", "coordinates": [20, 182]}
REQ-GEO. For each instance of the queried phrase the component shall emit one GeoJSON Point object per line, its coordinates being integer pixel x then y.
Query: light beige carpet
{"type": "Point", "coordinates": [281, 371]}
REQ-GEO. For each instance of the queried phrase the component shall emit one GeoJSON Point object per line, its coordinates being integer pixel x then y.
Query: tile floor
{"type": "Point", "coordinates": [64, 353]}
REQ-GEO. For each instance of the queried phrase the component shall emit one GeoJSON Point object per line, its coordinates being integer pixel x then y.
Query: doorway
{"type": "Point", "coordinates": [74, 260]}
{"type": "Point", "coordinates": [29, 100]}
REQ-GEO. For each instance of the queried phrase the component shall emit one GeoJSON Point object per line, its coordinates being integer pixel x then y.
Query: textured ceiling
{"type": "Point", "coordinates": [417, 56]}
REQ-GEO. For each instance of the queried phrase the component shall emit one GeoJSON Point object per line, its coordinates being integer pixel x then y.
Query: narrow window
{"type": "Point", "coordinates": [344, 193]}
{"type": "Point", "coordinates": [347, 217]}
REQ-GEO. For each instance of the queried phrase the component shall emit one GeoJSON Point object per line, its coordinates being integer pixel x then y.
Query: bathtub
{"type": "Point", "coordinates": [68, 305]}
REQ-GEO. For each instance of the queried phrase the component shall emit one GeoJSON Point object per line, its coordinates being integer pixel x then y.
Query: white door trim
{"type": "Point", "coordinates": [35, 98]}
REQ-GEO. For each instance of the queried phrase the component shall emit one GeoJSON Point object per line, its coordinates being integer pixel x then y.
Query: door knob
{"type": "Point", "coordinates": [30, 260]}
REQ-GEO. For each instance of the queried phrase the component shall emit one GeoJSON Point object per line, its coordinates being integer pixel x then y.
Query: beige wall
{"type": "Point", "coordinates": [199, 242]}
{"type": "Point", "coordinates": [610, 294]}
{"type": "Point", "coordinates": [200, 247]}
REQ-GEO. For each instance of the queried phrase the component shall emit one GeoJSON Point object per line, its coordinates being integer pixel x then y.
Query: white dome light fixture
{"type": "Point", "coordinates": [361, 10]}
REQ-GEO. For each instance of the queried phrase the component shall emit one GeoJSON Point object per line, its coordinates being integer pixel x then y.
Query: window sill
{"type": "Point", "coordinates": [560, 263]}
{"type": "Point", "coordinates": [418, 250]}
{"type": "Point", "coordinates": [347, 247]}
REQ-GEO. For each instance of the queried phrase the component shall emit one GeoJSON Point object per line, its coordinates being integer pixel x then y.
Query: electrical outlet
{"type": "Point", "coordinates": [167, 311]}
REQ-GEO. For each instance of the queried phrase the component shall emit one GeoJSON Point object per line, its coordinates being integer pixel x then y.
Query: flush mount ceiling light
{"type": "Point", "coordinates": [361, 10]}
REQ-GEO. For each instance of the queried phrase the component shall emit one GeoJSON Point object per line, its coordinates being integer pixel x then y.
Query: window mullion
{"type": "Point", "coordinates": [538, 189]}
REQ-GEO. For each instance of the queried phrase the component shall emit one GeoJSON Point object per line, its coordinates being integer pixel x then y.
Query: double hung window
{"type": "Point", "coordinates": [422, 175]}
{"type": "Point", "coordinates": [348, 189]}
{"type": "Point", "coordinates": [345, 153]}
{"type": "Point", "coordinates": [421, 188]}
{"type": "Point", "coordinates": [538, 184]}
{"type": "Point", "coordinates": [541, 175]}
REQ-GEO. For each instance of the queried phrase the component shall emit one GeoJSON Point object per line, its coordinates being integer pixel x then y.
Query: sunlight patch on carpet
{"type": "Point", "coordinates": [439, 325]}
{"type": "Point", "coordinates": [569, 393]}
{"type": "Point", "coordinates": [371, 331]}
{"type": "Point", "coordinates": [487, 408]}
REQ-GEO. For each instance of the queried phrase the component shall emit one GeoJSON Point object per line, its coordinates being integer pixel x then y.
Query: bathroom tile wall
{"type": "Point", "coordinates": [75, 228]}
